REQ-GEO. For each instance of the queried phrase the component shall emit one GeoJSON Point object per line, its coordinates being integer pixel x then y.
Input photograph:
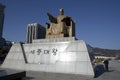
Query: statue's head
{"type": "Point", "coordinates": [61, 11]}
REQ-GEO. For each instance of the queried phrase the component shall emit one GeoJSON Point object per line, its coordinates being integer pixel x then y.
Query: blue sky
{"type": "Point", "coordinates": [97, 21]}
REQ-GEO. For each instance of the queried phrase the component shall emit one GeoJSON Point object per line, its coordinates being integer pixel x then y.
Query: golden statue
{"type": "Point", "coordinates": [61, 26]}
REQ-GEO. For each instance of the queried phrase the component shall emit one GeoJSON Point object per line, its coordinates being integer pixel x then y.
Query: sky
{"type": "Point", "coordinates": [97, 21]}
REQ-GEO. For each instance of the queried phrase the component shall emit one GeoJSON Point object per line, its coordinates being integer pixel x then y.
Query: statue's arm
{"type": "Point", "coordinates": [51, 18]}
{"type": "Point", "coordinates": [48, 25]}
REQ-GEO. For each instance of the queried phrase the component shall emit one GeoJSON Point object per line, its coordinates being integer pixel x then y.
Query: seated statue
{"type": "Point", "coordinates": [60, 26]}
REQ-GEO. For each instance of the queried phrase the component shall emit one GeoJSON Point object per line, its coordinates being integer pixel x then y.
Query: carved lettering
{"type": "Point", "coordinates": [32, 51]}
{"type": "Point", "coordinates": [39, 51]}
{"type": "Point", "coordinates": [46, 51]}
{"type": "Point", "coordinates": [54, 51]}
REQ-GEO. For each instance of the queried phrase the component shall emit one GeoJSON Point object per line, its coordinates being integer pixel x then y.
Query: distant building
{"type": "Point", "coordinates": [104, 57]}
{"type": "Point", "coordinates": [2, 40]}
{"type": "Point", "coordinates": [35, 31]}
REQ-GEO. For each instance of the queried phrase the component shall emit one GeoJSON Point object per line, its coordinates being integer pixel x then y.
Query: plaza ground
{"type": "Point", "coordinates": [113, 74]}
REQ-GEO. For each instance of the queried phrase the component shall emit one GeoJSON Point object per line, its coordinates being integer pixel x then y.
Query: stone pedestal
{"type": "Point", "coordinates": [60, 55]}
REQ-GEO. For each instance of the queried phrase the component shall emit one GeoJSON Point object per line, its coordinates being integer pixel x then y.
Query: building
{"type": "Point", "coordinates": [1, 19]}
{"type": "Point", "coordinates": [2, 40]}
{"type": "Point", "coordinates": [35, 31]}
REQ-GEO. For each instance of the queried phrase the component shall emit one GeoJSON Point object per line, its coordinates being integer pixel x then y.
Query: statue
{"type": "Point", "coordinates": [61, 26]}
{"type": "Point", "coordinates": [51, 18]}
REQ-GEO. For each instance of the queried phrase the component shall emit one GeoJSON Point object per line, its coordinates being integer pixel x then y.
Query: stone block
{"type": "Point", "coordinates": [60, 57]}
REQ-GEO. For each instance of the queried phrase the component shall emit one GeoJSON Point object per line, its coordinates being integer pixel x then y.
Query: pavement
{"type": "Point", "coordinates": [113, 74]}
